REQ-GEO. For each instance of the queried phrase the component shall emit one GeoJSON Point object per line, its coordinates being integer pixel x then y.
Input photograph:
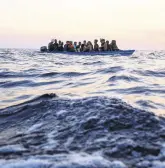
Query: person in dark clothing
{"type": "Point", "coordinates": [114, 46]}
{"type": "Point", "coordinates": [79, 47]}
{"type": "Point", "coordinates": [43, 49]}
{"type": "Point", "coordinates": [109, 48]}
{"type": "Point", "coordinates": [106, 46]}
{"type": "Point", "coordinates": [60, 46]}
{"type": "Point", "coordinates": [75, 46]}
{"type": "Point", "coordinates": [66, 46]}
{"type": "Point", "coordinates": [51, 46]}
{"type": "Point", "coordinates": [83, 46]}
{"type": "Point", "coordinates": [102, 41]}
{"type": "Point", "coordinates": [96, 46]}
{"type": "Point", "coordinates": [55, 45]}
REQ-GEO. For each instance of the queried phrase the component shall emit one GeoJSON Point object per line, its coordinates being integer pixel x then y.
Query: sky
{"type": "Point", "coordinates": [135, 24]}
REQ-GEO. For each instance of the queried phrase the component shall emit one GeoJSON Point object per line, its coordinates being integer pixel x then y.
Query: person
{"type": "Point", "coordinates": [79, 47]}
{"type": "Point", "coordinates": [102, 41]}
{"type": "Point", "coordinates": [66, 46]}
{"type": "Point", "coordinates": [89, 47]}
{"type": "Point", "coordinates": [43, 49]}
{"type": "Point", "coordinates": [55, 45]}
{"type": "Point", "coordinates": [71, 47]}
{"type": "Point", "coordinates": [75, 46]}
{"type": "Point", "coordinates": [96, 46]}
{"type": "Point", "coordinates": [60, 46]}
{"type": "Point", "coordinates": [114, 46]}
{"type": "Point", "coordinates": [51, 46]}
{"type": "Point", "coordinates": [83, 46]}
{"type": "Point", "coordinates": [107, 46]}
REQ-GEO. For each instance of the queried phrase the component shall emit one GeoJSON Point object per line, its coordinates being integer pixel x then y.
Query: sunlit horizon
{"type": "Point", "coordinates": [135, 24]}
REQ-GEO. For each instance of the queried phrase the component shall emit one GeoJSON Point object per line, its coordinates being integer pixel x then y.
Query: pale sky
{"type": "Point", "coordinates": [135, 24]}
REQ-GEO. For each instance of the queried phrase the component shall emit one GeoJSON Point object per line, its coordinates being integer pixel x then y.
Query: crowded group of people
{"type": "Point", "coordinates": [69, 46]}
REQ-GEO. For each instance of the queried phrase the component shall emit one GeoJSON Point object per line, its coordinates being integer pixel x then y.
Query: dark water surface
{"type": "Point", "coordinates": [61, 111]}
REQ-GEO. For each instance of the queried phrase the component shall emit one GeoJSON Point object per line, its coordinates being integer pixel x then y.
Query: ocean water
{"type": "Point", "coordinates": [61, 111]}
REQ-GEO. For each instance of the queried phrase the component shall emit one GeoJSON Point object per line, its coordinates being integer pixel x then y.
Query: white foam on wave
{"type": "Point", "coordinates": [158, 164]}
{"type": "Point", "coordinates": [69, 161]}
{"type": "Point", "coordinates": [51, 142]}
{"type": "Point", "coordinates": [12, 149]}
{"type": "Point", "coordinates": [69, 141]}
{"type": "Point", "coordinates": [25, 164]}
{"type": "Point", "coordinates": [61, 112]}
{"type": "Point", "coordinates": [162, 152]}
{"type": "Point", "coordinates": [94, 161]}
{"type": "Point", "coordinates": [34, 128]}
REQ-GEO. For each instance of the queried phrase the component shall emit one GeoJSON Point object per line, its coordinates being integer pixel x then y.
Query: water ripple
{"type": "Point", "coordinates": [140, 75]}
{"type": "Point", "coordinates": [108, 112]}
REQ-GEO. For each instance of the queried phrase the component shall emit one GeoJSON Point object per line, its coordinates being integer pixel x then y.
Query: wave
{"type": "Point", "coordinates": [139, 90]}
{"type": "Point", "coordinates": [158, 73]}
{"type": "Point", "coordinates": [18, 108]}
{"type": "Point", "coordinates": [93, 63]}
{"type": "Point", "coordinates": [72, 74]}
{"type": "Point", "coordinates": [26, 83]}
{"type": "Point", "coordinates": [71, 161]}
{"type": "Point", "coordinates": [50, 74]}
{"type": "Point", "coordinates": [111, 70]}
{"type": "Point", "coordinates": [150, 104]}
{"type": "Point", "coordinates": [123, 77]}
{"type": "Point", "coordinates": [49, 126]}
{"type": "Point", "coordinates": [16, 75]}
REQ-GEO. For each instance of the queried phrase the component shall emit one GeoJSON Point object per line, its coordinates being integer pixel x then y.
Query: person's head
{"type": "Point", "coordinates": [95, 41]}
{"type": "Point", "coordinates": [113, 41]}
{"type": "Point", "coordinates": [79, 43]}
{"type": "Point", "coordinates": [75, 43]}
{"type": "Point", "coordinates": [102, 41]}
{"type": "Point", "coordinates": [84, 42]}
{"type": "Point", "coordinates": [62, 43]}
{"type": "Point", "coordinates": [59, 42]}
{"type": "Point", "coordinates": [55, 40]}
{"type": "Point", "coordinates": [90, 43]}
{"type": "Point", "coordinates": [107, 42]}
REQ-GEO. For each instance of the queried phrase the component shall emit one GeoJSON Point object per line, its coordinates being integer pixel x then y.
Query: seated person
{"type": "Point", "coordinates": [83, 46]}
{"type": "Point", "coordinates": [102, 41]}
{"type": "Point", "coordinates": [66, 46]}
{"type": "Point", "coordinates": [51, 46]}
{"type": "Point", "coordinates": [60, 46]}
{"type": "Point", "coordinates": [71, 47]}
{"type": "Point", "coordinates": [55, 45]}
{"type": "Point", "coordinates": [89, 47]}
{"type": "Point", "coordinates": [75, 46]}
{"type": "Point", "coordinates": [79, 47]}
{"type": "Point", "coordinates": [96, 46]}
{"type": "Point", "coordinates": [114, 46]}
{"type": "Point", "coordinates": [107, 46]}
{"type": "Point", "coordinates": [43, 49]}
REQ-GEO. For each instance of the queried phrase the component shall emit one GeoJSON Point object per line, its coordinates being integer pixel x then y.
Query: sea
{"type": "Point", "coordinates": [68, 111]}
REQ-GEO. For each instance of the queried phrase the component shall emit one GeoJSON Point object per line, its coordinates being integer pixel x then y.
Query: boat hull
{"type": "Point", "coordinates": [121, 53]}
